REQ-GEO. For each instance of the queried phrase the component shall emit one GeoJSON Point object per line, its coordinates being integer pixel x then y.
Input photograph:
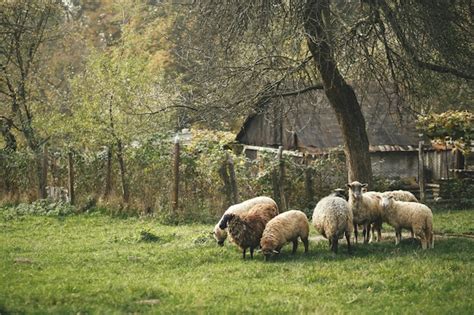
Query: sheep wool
{"type": "Point", "coordinates": [409, 215]}
{"type": "Point", "coordinates": [285, 227]}
{"type": "Point", "coordinates": [220, 234]}
{"type": "Point", "coordinates": [246, 229]}
{"type": "Point", "coordinates": [401, 195]}
{"type": "Point", "coordinates": [365, 208]}
{"type": "Point", "coordinates": [332, 217]}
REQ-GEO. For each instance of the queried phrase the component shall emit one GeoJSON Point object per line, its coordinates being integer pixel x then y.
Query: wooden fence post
{"type": "Point", "coordinates": [175, 188]}
{"type": "Point", "coordinates": [279, 181]}
{"type": "Point", "coordinates": [308, 182]}
{"type": "Point", "coordinates": [44, 175]}
{"type": "Point", "coordinates": [421, 171]}
{"type": "Point", "coordinates": [232, 179]}
{"type": "Point", "coordinates": [72, 195]}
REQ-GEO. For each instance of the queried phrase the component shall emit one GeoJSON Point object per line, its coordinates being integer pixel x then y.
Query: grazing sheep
{"type": "Point", "coordinates": [401, 195]}
{"type": "Point", "coordinates": [285, 227]}
{"type": "Point", "coordinates": [365, 209]}
{"type": "Point", "coordinates": [219, 234]}
{"type": "Point", "coordinates": [409, 215]}
{"type": "Point", "coordinates": [246, 228]}
{"type": "Point", "coordinates": [332, 217]}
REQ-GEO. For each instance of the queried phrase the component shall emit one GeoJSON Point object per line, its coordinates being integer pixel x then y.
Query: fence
{"type": "Point", "coordinates": [197, 180]}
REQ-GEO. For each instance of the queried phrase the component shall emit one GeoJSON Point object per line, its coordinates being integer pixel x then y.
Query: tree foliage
{"type": "Point", "coordinates": [454, 127]}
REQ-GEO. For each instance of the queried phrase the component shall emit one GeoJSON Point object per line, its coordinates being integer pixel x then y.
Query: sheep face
{"type": "Point", "coordinates": [219, 235]}
{"type": "Point", "coordinates": [385, 201]}
{"type": "Point", "coordinates": [268, 253]}
{"type": "Point", "coordinates": [356, 189]}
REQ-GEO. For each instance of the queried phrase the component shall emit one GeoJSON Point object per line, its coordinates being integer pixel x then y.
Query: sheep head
{"type": "Point", "coordinates": [219, 235]}
{"type": "Point", "coordinates": [356, 189]}
{"type": "Point", "coordinates": [385, 201]}
{"type": "Point", "coordinates": [225, 220]}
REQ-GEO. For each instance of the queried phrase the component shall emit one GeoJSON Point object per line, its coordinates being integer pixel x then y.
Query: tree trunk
{"type": "Point", "coordinates": [341, 96]}
{"type": "Point", "coordinates": [108, 174]}
{"type": "Point", "coordinates": [123, 177]}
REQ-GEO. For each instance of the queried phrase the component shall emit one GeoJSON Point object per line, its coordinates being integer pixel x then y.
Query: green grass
{"type": "Point", "coordinates": [103, 265]}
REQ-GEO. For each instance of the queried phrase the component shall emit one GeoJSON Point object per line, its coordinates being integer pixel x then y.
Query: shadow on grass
{"type": "Point", "coordinates": [380, 251]}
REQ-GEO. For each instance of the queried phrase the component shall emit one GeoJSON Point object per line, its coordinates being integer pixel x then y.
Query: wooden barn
{"type": "Point", "coordinates": [308, 125]}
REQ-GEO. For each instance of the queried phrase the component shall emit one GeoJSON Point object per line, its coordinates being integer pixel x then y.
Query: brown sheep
{"type": "Point", "coordinates": [246, 229]}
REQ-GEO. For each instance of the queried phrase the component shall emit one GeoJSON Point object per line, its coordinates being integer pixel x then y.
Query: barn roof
{"type": "Point", "coordinates": [308, 123]}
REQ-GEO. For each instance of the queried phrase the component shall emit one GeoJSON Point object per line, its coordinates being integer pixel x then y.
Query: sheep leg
{"type": "Point", "coordinates": [355, 233]}
{"type": "Point", "coordinates": [295, 246]}
{"type": "Point", "coordinates": [348, 239]}
{"type": "Point", "coordinates": [371, 231]}
{"type": "Point", "coordinates": [376, 226]}
{"type": "Point", "coordinates": [412, 233]}
{"type": "Point", "coordinates": [243, 252]}
{"type": "Point", "coordinates": [365, 232]}
{"type": "Point", "coordinates": [305, 243]}
{"type": "Point", "coordinates": [398, 235]}
{"type": "Point", "coordinates": [334, 241]}
{"type": "Point", "coordinates": [251, 252]}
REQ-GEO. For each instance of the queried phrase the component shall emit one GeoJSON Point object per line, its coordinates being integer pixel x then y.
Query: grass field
{"type": "Point", "coordinates": [102, 265]}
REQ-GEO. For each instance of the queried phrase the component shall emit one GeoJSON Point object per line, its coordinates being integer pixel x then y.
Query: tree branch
{"type": "Point", "coordinates": [410, 50]}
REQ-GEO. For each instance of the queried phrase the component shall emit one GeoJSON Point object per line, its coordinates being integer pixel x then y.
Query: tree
{"type": "Point", "coordinates": [25, 28]}
{"type": "Point", "coordinates": [280, 48]}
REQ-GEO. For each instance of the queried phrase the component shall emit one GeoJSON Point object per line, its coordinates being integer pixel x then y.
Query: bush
{"type": "Point", "coordinates": [202, 194]}
{"type": "Point", "coordinates": [42, 207]}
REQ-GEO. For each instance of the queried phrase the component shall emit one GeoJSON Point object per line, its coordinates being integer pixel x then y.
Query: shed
{"type": "Point", "coordinates": [308, 124]}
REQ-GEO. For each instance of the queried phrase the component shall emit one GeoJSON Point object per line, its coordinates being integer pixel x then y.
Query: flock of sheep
{"type": "Point", "coordinates": [257, 222]}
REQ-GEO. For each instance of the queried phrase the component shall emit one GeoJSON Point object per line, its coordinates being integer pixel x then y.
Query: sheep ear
{"type": "Point", "coordinates": [378, 197]}
{"type": "Point", "coordinates": [364, 185]}
{"type": "Point", "coordinates": [259, 250]}
{"type": "Point", "coordinates": [276, 252]}
{"type": "Point", "coordinates": [390, 197]}
{"type": "Point", "coordinates": [348, 185]}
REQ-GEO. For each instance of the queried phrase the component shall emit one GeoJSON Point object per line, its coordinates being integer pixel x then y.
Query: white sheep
{"type": "Point", "coordinates": [365, 208]}
{"type": "Point", "coordinates": [285, 227]}
{"type": "Point", "coordinates": [401, 195]}
{"type": "Point", "coordinates": [332, 217]}
{"type": "Point", "coordinates": [220, 234]}
{"type": "Point", "coordinates": [409, 215]}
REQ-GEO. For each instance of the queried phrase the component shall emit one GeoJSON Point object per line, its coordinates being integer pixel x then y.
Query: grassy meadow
{"type": "Point", "coordinates": [96, 264]}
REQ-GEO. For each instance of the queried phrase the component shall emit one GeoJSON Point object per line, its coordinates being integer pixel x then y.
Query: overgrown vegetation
{"type": "Point", "coordinates": [99, 264]}
{"type": "Point", "coordinates": [202, 189]}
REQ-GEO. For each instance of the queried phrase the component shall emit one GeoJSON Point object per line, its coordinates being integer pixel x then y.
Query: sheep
{"type": "Point", "coordinates": [365, 209]}
{"type": "Point", "coordinates": [246, 228]}
{"type": "Point", "coordinates": [409, 215]}
{"type": "Point", "coordinates": [285, 227]}
{"type": "Point", "coordinates": [332, 217]}
{"type": "Point", "coordinates": [339, 192]}
{"type": "Point", "coordinates": [219, 234]}
{"type": "Point", "coordinates": [401, 195]}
